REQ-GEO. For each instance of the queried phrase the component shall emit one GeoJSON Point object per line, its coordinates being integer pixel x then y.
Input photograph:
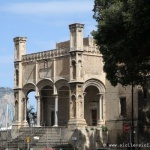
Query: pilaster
{"type": "Point", "coordinates": [76, 78]}
{"type": "Point", "coordinates": [25, 123]}
{"type": "Point", "coordinates": [19, 50]}
{"type": "Point", "coordinates": [76, 105]}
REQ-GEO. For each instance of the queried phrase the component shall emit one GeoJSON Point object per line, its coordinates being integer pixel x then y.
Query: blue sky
{"type": "Point", "coordinates": [43, 22]}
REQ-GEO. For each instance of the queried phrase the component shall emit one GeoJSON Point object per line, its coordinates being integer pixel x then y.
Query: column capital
{"type": "Point", "coordinates": [100, 94]}
{"type": "Point", "coordinates": [37, 97]}
{"type": "Point", "coordinates": [84, 93]}
{"type": "Point", "coordinates": [25, 98]}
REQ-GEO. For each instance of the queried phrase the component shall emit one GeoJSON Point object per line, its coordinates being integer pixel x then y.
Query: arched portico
{"type": "Point", "coordinates": [93, 102]}
{"type": "Point", "coordinates": [53, 102]}
{"type": "Point", "coordinates": [27, 88]}
{"type": "Point", "coordinates": [45, 103]}
{"type": "Point", "coordinates": [47, 106]}
{"type": "Point", "coordinates": [62, 87]}
{"type": "Point", "coordinates": [63, 106]}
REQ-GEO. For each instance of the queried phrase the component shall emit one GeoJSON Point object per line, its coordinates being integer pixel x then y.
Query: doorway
{"type": "Point", "coordinates": [52, 118]}
{"type": "Point", "coordinates": [91, 103]}
{"type": "Point", "coordinates": [94, 117]}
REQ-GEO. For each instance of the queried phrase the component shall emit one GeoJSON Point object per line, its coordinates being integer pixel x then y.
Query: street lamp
{"type": "Point", "coordinates": [132, 120]}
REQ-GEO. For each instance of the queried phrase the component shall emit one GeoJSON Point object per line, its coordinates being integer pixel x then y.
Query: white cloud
{"type": "Point", "coordinates": [50, 8]}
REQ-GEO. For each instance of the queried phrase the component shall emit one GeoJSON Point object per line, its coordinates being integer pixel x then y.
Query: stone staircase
{"type": "Point", "coordinates": [40, 138]}
{"type": "Point", "coordinates": [51, 138]}
{"type": "Point", "coordinates": [21, 140]}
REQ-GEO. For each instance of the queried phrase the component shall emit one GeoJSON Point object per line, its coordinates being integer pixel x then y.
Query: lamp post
{"type": "Point", "coordinates": [132, 119]}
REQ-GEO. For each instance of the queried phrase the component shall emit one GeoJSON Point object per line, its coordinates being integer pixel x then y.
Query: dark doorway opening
{"type": "Point", "coordinates": [52, 118]}
{"type": "Point", "coordinates": [94, 117]}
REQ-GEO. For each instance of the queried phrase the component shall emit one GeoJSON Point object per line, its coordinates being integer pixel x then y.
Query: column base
{"type": "Point", "coordinates": [25, 123]}
{"type": "Point", "coordinates": [55, 125]}
{"type": "Point", "coordinates": [100, 122]}
{"type": "Point", "coordinates": [18, 124]}
{"type": "Point", "coordinates": [77, 122]}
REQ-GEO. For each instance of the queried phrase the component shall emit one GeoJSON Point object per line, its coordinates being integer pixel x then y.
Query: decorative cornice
{"type": "Point", "coordinates": [17, 61]}
{"type": "Point", "coordinates": [76, 25]}
{"type": "Point", "coordinates": [19, 39]}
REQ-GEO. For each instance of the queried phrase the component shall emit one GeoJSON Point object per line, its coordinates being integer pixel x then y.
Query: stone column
{"type": "Point", "coordinates": [101, 107]}
{"type": "Point", "coordinates": [38, 110]}
{"type": "Point", "coordinates": [100, 121]}
{"type": "Point", "coordinates": [24, 100]}
{"type": "Point", "coordinates": [56, 111]}
{"type": "Point", "coordinates": [83, 103]}
{"type": "Point", "coordinates": [25, 108]}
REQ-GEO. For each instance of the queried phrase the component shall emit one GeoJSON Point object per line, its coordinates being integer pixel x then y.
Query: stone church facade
{"type": "Point", "coordinates": [70, 85]}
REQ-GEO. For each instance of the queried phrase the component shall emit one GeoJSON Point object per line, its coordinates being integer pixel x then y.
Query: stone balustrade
{"type": "Point", "coordinates": [45, 55]}
{"type": "Point", "coordinates": [55, 53]}
{"type": "Point", "coordinates": [91, 50]}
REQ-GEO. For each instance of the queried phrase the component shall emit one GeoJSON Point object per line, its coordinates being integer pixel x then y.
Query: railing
{"type": "Point", "coordinates": [45, 55]}
{"type": "Point", "coordinates": [91, 50]}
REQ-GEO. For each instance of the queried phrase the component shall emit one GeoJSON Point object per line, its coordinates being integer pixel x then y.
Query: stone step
{"type": "Point", "coordinates": [47, 137]}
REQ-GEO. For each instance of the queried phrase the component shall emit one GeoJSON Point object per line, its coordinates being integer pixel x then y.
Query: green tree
{"type": "Point", "coordinates": [124, 40]}
{"type": "Point", "coordinates": [123, 37]}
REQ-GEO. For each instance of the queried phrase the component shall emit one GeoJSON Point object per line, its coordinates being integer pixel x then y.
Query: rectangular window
{"type": "Point", "coordinates": [123, 106]}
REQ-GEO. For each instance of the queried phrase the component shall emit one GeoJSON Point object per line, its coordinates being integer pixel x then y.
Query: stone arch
{"type": "Point", "coordinates": [61, 82]}
{"type": "Point", "coordinates": [45, 82]}
{"type": "Point", "coordinates": [93, 101]}
{"type": "Point", "coordinates": [28, 100]}
{"type": "Point", "coordinates": [27, 88]}
{"type": "Point", "coordinates": [94, 82]}
{"type": "Point", "coordinates": [47, 102]}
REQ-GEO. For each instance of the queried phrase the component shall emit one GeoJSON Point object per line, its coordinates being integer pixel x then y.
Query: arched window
{"type": "Point", "coordinates": [17, 77]}
{"type": "Point", "coordinates": [16, 110]}
{"type": "Point", "coordinates": [80, 106]}
{"type": "Point", "coordinates": [73, 107]}
{"type": "Point", "coordinates": [74, 70]}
